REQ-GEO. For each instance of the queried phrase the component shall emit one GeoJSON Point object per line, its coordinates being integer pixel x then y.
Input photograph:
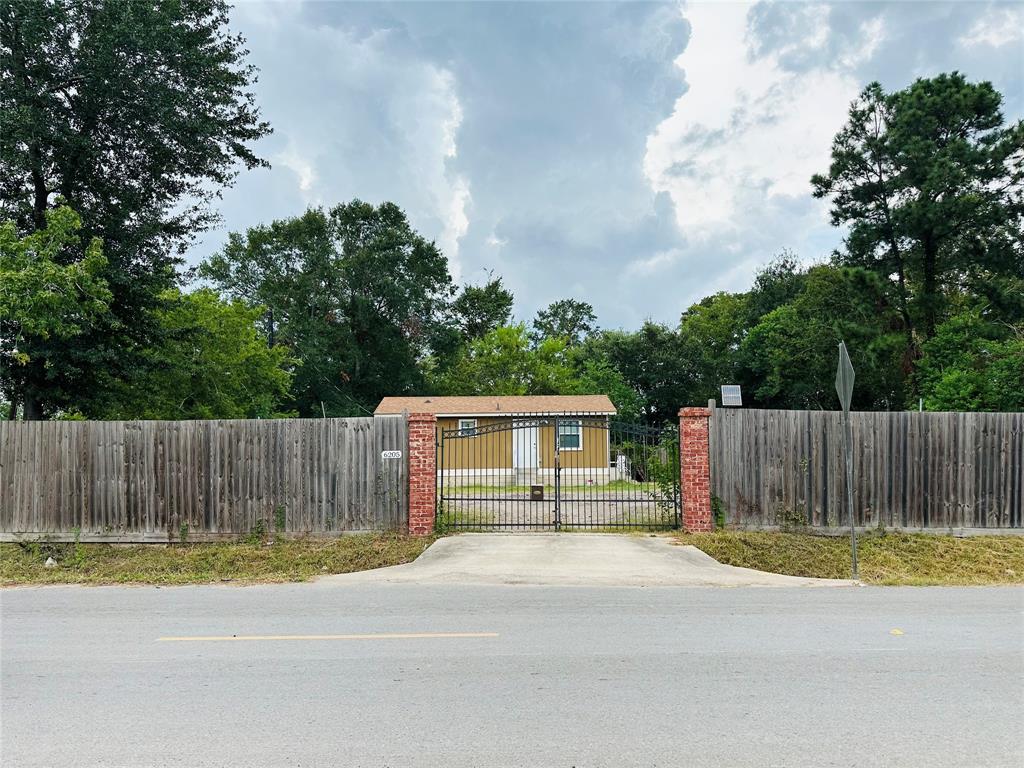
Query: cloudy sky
{"type": "Point", "coordinates": [636, 155]}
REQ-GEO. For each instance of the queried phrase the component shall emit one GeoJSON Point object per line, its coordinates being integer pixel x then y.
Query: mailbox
{"type": "Point", "coordinates": [536, 493]}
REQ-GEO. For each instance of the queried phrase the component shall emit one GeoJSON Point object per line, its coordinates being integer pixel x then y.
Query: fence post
{"type": "Point", "coordinates": [422, 473]}
{"type": "Point", "coordinates": [695, 469]}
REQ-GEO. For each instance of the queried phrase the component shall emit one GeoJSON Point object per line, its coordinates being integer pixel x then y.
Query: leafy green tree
{"type": "Point", "coordinates": [654, 363]}
{"type": "Point", "coordinates": [972, 365]}
{"type": "Point", "coordinates": [712, 331]}
{"type": "Point", "coordinates": [353, 293]}
{"type": "Point", "coordinates": [778, 282]}
{"type": "Point", "coordinates": [504, 362]}
{"type": "Point", "coordinates": [479, 309]}
{"type": "Point", "coordinates": [599, 377]}
{"type": "Point", "coordinates": [929, 180]}
{"type": "Point", "coordinates": [566, 319]}
{"type": "Point", "coordinates": [213, 364]}
{"type": "Point", "coordinates": [998, 299]}
{"type": "Point", "coordinates": [51, 290]}
{"type": "Point", "coordinates": [791, 354]}
{"type": "Point", "coordinates": [136, 115]}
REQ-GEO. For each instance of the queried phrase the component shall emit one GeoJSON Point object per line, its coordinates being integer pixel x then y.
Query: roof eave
{"type": "Point", "coordinates": [466, 414]}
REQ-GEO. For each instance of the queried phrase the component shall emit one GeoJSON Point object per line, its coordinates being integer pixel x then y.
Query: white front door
{"type": "Point", "coordinates": [524, 448]}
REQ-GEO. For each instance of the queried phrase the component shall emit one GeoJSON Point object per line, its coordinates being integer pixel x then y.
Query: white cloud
{"type": "Point", "coordinates": [429, 115]}
{"type": "Point", "coordinates": [644, 267]}
{"type": "Point", "coordinates": [450, 125]}
{"type": "Point", "coordinates": [359, 114]}
{"type": "Point", "coordinates": [291, 159]}
{"type": "Point", "coordinates": [456, 224]}
{"type": "Point", "coordinates": [747, 133]}
{"type": "Point", "coordinates": [1000, 26]}
{"type": "Point", "coordinates": [543, 160]}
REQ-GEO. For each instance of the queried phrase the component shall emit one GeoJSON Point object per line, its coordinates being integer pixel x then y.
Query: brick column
{"type": "Point", "coordinates": [422, 473]}
{"type": "Point", "coordinates": [695, 471]}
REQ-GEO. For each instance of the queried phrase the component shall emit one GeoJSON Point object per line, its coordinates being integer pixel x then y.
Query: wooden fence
{"type": "Point", "coordinates": [911, 470]}
{"type": "Point", "coordinates": [149, 480]}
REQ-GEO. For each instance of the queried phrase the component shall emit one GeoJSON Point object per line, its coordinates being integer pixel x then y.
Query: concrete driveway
{"type": "Point", "coordinates": [572, 559]}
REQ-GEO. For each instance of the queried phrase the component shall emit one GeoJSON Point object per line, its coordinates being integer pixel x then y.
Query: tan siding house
{"type": "Point", "coordinates": [524, 448]}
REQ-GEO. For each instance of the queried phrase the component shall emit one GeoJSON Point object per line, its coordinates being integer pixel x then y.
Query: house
{"type": "Point", "coordinates": [497, 440]}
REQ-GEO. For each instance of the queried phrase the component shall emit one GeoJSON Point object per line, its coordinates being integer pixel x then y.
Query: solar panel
{"type": "Point", "coordinates": [731, 395]}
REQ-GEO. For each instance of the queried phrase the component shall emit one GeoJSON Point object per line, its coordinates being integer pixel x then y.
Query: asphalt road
{"type": "Point", "coordinates": [555, 676]}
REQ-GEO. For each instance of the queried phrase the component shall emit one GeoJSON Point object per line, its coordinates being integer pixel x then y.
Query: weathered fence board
{"type": "Point", "coordinates": [911, 470]}
{"type": "Point", "coordinates": [148, 480]}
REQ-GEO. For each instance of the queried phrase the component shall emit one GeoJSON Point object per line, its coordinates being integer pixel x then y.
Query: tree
{"type": "Point", "coordinates": [567, 319]}
{"type": "Point", "coordinates": [929, 181]}
{"type": "Point", "coordinates": [599, 377]}
{"type": "Point", "coordinates": [213, 364]}
{"type": "Point", "coordinates": [791, 353]}
{"type": "Point", "coordinates": [997, 298]}
{"type": "Point", "coordinates": [135, 115]}
{"type": "Point", "coordinates": [778, 282]}
{"type": "Point", "coordinates": [354, 293]}
{"type": "Point", "coordinates": [972, 365]}
{"type": "Point", "coordinates": [51, 290]}
{"type": "Point", "coordinates": [654, 363]}
{"type": "Point", "coordinates": [711, 332]}
{"type": "Point", "coordinates": [479, 309]}
{"type": "Point", "coordinates": [505, 363]}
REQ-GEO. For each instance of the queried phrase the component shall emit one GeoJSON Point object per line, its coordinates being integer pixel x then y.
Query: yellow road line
{"type": "Point", "coordinates": [382, 636]}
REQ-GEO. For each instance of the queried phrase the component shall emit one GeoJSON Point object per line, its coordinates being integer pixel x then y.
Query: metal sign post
{"type": "Point", "coordinates": [844, 387]}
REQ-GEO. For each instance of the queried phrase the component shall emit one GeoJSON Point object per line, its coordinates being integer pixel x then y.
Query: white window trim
{"type": "Point", "coordinates": [579, 426]}
{"type": "Point", "coordinates": [466, 430]}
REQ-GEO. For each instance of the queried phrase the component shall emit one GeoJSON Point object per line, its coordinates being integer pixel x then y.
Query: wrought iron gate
{"type": "Point", "coordinates": [557, 472]}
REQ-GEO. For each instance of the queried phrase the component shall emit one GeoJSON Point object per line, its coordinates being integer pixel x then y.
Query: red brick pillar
{"type": "Point", "coordinates": [422, 473]}
{"type": "Point", "coordinates": [695, 471]}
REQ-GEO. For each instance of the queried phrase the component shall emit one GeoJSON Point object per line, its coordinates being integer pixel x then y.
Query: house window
{"type": "Point", "coordinates": [570, 435]}
{"type": "Point", "coordinates": [467, 427]}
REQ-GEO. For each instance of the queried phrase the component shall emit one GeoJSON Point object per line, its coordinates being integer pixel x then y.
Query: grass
{"type": "Point", "coordinates": [247, 561]}
{"type": "Point", "coordinates": [453, 520]}
{"type": "Point", "coordinates": [915, 559]}
{"type": "Point", "coordinates": [458, 489]}
{"type": "Point", "coordinates": [889, 558]}
{"type": "Point", "coordinates": [651, 525]}
{"type": "Point", "coordinates": [615, 486]}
